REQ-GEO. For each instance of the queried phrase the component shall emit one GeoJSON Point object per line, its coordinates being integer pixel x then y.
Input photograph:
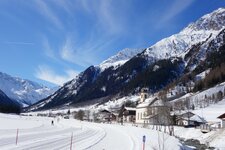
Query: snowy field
{"type": "Point", "coordinates": [37, 133]}
{"type": "Point", "coordinates": [211, 112]}
{"type": "Point", "coordinates": [214, 138]}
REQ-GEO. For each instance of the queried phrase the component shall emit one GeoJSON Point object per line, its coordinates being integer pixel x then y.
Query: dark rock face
{"type": "Point", "coordinates": [7, 105]}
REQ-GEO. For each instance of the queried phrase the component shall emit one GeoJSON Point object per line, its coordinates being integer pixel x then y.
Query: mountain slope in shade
{"type": "Point", "coordinates": [23, 91]}
{"type": "Point", "coordinates": [155, 67]}
{"type": "Point", "coordinates": [7, 105]}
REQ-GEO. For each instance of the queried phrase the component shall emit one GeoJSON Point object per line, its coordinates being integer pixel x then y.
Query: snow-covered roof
{"type": "Point", "coordinates": [144, 104]}
{"type": "Point", "coordinates": [196, 118]}
{"type": "Point", "coordinates": [152, 101]}
{"type": "Point", "coordinates": [221, 116]}
{"type": "Point", "coordinates": [130, 108]}
{"type": "Point", "coordinates": [158, 103]}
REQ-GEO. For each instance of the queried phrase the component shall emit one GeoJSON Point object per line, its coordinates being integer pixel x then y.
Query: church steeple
{"type": "Point", "coordinates": [144, 94]}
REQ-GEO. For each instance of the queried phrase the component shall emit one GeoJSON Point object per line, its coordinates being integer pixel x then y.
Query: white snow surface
{"type": "Point", "coordinates": [24, 91]}
{"type": "Point", "coordinates": [211, 112]}
{"type": "Point", "coordinates": [37, 133]}
{"type": "Point", "coordinates": [214, 138]}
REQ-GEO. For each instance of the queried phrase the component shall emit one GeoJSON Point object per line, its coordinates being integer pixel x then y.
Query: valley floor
{"type": "Point", "coordinates": [37, 133]}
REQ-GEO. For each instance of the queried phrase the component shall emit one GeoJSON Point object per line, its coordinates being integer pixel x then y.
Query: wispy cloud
{"type": "Point", "coordinates": [65, 5]}
{"type": "Point", "coordinates": [177, 7]}
{"type": "Point", "coordinates": [106, 16]}
{"type": "Point", "coordinates": [72, 54]}
{"type": "Point", "coordinates": [47, 48]}
{"type": "Point", "coordinates": [45, 73]}
{"type": "Point", "coordinates": [44, 9]}
{"type": "Point", "coordinates": [85, 54]}
{"type": "Point", "coordinates": [18, 43]}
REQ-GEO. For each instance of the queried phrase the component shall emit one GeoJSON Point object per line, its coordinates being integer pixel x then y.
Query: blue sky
{"type": "Point", "coordinates": [50, 41]}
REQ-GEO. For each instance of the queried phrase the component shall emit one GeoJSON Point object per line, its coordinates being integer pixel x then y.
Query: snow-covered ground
{"type": "Point", "coordinates": [214, 138]}
{"type": "Point", "coordinates": [37, 133]}
{"type": "Point", "coordinates": [211, 112]}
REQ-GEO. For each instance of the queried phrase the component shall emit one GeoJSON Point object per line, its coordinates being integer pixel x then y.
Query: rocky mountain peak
{"type": "Point", "coordinates": [212, 21]}
{"type": "Point", "coordinates": [120, 58]}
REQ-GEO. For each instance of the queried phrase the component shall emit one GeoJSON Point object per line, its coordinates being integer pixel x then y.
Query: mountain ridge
{"type": "Point", "coordinates": [25, 92]}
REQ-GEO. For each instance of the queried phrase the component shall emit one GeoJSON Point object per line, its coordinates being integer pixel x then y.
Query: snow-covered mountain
{"type": "Point", "coordinates": [204, 29]}
{"type": "Point", "coordinates": [24, 91]}
{"type": "Point", "coordinates": [154, 67]}
{"type": "Point", "coordinates": [120, 58]}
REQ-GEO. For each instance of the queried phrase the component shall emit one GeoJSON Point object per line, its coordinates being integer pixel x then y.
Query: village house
{"type": "Point", "coordinates": [127, 114]}
{"type": "Point", "coordinates": [106, 116]}
{"type": "Point", "coordinates": [222, 117]}
{"type": "Point", "coordinates": [190, 119]}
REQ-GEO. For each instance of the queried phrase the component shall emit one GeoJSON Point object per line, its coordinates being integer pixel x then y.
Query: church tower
{"type": "Point", "coordinates": [144, 94]}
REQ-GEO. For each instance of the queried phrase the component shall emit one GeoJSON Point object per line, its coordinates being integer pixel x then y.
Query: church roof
{"type": "Point", "coordinates": [152, 101]}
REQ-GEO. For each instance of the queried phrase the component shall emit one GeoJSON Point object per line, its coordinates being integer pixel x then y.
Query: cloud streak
{"type": "Point", "coordinates": [176, 8]}
{"type": "Point", "coordinates": [47, 49]}
{"type": "Point", "coordinates": [45, 73]}
{"type": "Point", "coordinates": [18, 43]}
{"type": "Point", "coordinates": [106, 15]}
{"type": "Point", "coordinates": [86, 54]}
{"type": "Point", "coordinates": [44, 9]}
{"type": "Point", "coordinates": [73, 54]}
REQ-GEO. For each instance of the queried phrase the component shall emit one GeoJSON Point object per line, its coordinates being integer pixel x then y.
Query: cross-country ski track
{"type": "Point", "coordinates": [77, 135]}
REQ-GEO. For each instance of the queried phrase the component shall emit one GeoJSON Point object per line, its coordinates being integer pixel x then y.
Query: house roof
{"type": "Point", "coordinates": [221, 116]}
{"type": "Point", "coordinates": [152, 101]}
{"type": "Point", "coordinates": [158, 102]}
{"type": "Point", "coordinates": [129, 111]}
{"type": "Point", "coordinates": [105, 111]}
{"type": "Point", "coordinates": [195, 118]}
{"type": "Point", "coordinates": [187, 114]}
{"type": "Point", "coordinates": [144, 104]}
{"type": "Point", "coordinates": [130, 108]}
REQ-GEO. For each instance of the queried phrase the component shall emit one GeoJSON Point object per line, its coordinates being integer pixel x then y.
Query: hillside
{"type": "Point", "coordinates": [7, 105]}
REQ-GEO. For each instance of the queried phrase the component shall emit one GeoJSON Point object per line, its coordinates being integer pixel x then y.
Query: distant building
{"type": "Point", "coordinates": [106, 116]}
{"type": "Point", "coordinates": [222, 117]}
{"type": "Point", "coordinates": [129, 114]}
{"type": "Point", "coordinates": [190, 119]}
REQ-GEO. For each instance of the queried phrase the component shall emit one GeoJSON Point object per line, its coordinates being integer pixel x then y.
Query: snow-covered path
{"type": "Point", "coordinates": [41, 135]}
